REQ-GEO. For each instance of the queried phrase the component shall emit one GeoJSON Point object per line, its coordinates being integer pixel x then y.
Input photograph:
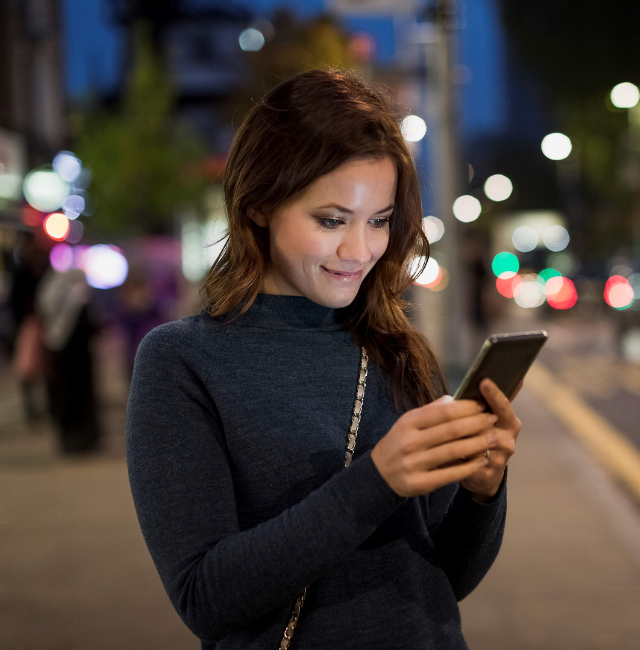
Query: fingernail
{"type": "Point", "coordinates": [447, 398]}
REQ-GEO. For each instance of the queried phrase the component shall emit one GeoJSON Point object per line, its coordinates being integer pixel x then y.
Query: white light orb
{"type": "Point", "coordinates": [413, 128]}
{"type": "Point", "coordinates": [430, 272]}
{"type": "Point", "coordinates": [106, 267]}
{"type": "Point", "coordinates": [529, 294]}
{"type": "Point", "coordinates": [498, 187]}
{"type": "Point", "coordinates": [73, 206]}
{"type": "Point", "coordinates": [466, 208]}
{"type": "Point", "coordinates": [555, 238]}
{"type": "Point", "coordinates": [525, 239]}
{"type": "Point", "coordinates": [45, 190]}
{"type": "Point", "coordinates": [556, 146]}
{"type": "Point", "coordinates": [625, 95]}
{"type": "Point", "coordinates": [67, 166]}
{"type": "Point", "coordinates": [251, 40]}
{"type": "Point", "coordinates": [433, 228]}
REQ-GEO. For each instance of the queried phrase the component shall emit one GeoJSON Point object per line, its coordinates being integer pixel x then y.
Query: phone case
{"type": "Point", "coordinates": [505, 359]}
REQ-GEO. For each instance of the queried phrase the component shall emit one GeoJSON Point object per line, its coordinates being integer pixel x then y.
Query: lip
{"type": "Point", "coordinates": [344, 277]}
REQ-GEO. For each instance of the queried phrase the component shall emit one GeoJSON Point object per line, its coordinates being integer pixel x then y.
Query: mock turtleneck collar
{"type": "Point", "coordinates": [289, 313]}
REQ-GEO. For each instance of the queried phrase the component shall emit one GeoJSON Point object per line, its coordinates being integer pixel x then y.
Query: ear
{"type": "Point", "coordinates": [257, 217]}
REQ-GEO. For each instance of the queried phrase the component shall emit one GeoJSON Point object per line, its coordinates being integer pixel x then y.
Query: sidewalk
{"type": "Point", "coordinates": [76, 574]}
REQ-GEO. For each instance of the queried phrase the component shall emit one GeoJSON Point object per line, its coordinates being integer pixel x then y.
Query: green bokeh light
{"type": "Point", "coordinates": [545, 274]}
{"type": "Point", "coordinates": [505, 262]}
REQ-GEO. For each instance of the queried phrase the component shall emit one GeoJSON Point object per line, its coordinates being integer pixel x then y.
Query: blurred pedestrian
{"type": "Point", "coordinates": [63, 302]}
{"type": "Point", "coordinates": [242, 420]}
{"type": "Point", "coordinates": [28, 358]}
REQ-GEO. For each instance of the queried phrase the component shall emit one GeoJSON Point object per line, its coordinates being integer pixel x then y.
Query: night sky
{"type": "Point", "coordinates": [92, 48]}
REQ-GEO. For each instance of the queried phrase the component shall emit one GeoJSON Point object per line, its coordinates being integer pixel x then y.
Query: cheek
{"type": "Point", "coordinates": [379, 247]}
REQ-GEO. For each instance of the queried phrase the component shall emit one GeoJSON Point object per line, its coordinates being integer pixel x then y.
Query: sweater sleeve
{"type": "Point", "coordinates": [469, 534]}
{"type": "Point", "coordinates": [217, 577]}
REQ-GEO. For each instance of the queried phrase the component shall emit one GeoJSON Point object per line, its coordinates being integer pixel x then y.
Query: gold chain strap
{"type": "Point", "coordinates": [351, 445]}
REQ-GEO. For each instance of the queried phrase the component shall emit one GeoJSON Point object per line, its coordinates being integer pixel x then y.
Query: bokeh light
{"type": "Point", "coordinates": [566, 263]}
{"type": "Point", "coordinates": [251, 40]}
{"type": "Point", "coordinates": [441, 282]}
{"type": "Point", "coordinates": [625, 95]}
{"type": "Point", "coordinates": [56, 225]}
{"type": "Point", "coordinates": [561, 292]}
{"type": "Point", "coordinates": [430, 272]}
{"type": "Point", "coordinates": [61, 257]}
{"type": "Point", "coordinates": [556, 238]}
{"type": "Point", "coordinates": [413, 128]}
{"type": "Point", "coordinates": [498, 187]}
{"type": "Point", "coordinates": [507, 283]}
{"type": "Point", "coordinates": [525, 239]}
{"type": "Point", "coordinates": [466, 208]}
{"type": "Point", "coordinates": [67, 166]}
{"type": "Point", "coordinates": [45, 190]}
{"type": "Point", "coordinates": [634, 281]}
{"type": "Point", "coordinates": [106, 267]}
{"type": "Point", "coordinates": [556, 146]}
{"type": "Point", "coordinates": [433, 228]}
{"type": "Point", "coordinates": [618, 292]}
{"type": "Point", "coordinates": [528, 293]}
{"type": "Point", "coordinates": [505, 262]}
{"type": "Point", "coordinates": [545, 274]}
{"type": "Point", "coordinates": [73, 206]}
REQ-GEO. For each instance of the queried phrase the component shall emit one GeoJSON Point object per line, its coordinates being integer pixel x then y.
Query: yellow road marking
{"type": "Point", "coordinates": [607, 444]}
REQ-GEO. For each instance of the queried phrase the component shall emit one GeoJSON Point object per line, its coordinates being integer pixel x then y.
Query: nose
{"type": "Point", "coordinates": [354, 246]}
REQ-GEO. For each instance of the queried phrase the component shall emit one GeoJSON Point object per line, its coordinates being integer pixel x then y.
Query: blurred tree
{"type": "Point", "coordinates": [144, 165]}
{"type": "Point", "coordinates": [578, 51]}
{"type": "Point", "coordinates": [295, 47]}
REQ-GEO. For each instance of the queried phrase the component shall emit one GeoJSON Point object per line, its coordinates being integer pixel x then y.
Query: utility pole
{"type": "Point", "coordinates": [441, 50]}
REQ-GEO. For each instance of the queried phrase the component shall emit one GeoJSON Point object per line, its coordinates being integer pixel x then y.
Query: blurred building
{"type": "Point", "coordinates": [200, 46]}
{"type": "Point", "coordinates": [32, 99]}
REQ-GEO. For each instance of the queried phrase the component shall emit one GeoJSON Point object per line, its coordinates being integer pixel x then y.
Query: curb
{"type": "Point", "coordinates": [606, 443]}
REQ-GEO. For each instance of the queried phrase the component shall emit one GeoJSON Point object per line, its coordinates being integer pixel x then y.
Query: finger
{"type": "Point", "coordinates": [455, 430]}
{"type": "Point", "coordinates": [438, 412]}
{"type": "Point", "coordinates": [464, 449]}
{"type": "Point", "coordinates": [498, 401]}
{"type": "Point", "coordinates": [436, 478]}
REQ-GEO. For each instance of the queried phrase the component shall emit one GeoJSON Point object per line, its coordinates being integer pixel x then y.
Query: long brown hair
{"type": "Point", "coordinates": [302, 129]}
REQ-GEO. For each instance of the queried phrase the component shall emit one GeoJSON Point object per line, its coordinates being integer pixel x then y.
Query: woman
{"type": "Point", "coordinates": [238, 417]}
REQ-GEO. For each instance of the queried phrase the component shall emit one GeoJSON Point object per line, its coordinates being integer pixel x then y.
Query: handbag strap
{"type": "Point", "coordinates": [351, 445]}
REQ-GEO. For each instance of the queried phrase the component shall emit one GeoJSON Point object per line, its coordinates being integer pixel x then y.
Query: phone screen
{"type": "Point", "coordinates": [505, 359]}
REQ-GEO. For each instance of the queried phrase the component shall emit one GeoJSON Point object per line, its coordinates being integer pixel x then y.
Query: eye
{"type": "Point", "coordinates": [332, 224]}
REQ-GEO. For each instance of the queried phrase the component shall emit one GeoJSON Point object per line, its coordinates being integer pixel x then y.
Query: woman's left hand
{"type": "Point", "coordinates": [485, 482]}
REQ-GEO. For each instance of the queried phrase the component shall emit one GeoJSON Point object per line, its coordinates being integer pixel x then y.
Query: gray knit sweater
{"type": "Point", "coordinates": [236, 435]}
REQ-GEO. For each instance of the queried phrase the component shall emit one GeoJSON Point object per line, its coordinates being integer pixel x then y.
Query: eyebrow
{"type": "Point", "coordinates": [341, 208]}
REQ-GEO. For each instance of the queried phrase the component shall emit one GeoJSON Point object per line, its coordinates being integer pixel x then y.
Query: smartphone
{"type": "Point", "coordinates": [503, 358]}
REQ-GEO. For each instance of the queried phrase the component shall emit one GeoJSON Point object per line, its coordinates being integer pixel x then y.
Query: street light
{"type": "Point", "coordinates": [556, 146]}
{"type": "Point", "coordinates": [625, 95]}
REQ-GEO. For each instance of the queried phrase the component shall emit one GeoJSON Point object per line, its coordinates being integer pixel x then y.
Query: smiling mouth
{"type": "Point", "coordinates": [344, 276]}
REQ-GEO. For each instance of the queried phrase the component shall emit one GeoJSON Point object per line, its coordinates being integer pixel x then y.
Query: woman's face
{"type": "Point", "coordinates": [313, 233]}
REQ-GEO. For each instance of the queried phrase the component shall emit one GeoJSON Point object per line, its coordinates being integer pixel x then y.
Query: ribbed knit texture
{"type": "Point", "coordinates": [236, 435]}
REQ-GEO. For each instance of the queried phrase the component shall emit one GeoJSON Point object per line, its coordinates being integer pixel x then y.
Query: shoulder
{"type": "Point", "coordinates": [183, 339]}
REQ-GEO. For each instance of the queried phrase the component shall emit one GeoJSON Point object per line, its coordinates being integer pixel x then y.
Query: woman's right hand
{"type": "Point", "coordinates": [420, 452]}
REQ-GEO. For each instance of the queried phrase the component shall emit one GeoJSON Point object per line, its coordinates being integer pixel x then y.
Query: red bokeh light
{"type": "Point", "coordinates": [565, 297]}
